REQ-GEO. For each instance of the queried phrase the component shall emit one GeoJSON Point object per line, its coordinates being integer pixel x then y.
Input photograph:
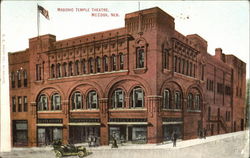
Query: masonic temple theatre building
{"type": "Point", "coordinates": [139, 83]}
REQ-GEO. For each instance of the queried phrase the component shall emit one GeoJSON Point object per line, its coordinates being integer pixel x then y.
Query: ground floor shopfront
{"type": "Point", "coordinates": [85, 130]}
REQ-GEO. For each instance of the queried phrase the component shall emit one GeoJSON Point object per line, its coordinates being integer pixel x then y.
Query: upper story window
{"type": "Point", "coordinates": [19, 83]}
{"type": "Point", "coordinates": [98, 64]}
{"type": "Point", "coordinates": [220, 88]}
{"type": "Point", "coordinates": [175, 63]}
{"type": "Point", "coordinates": [91, 65]}
{"type": "Point", "coordinates": [190, 101]}
{"type": "Point", "coordinates": [70, 69]}
{"type": "Point", "coordinates": [53, 71]}
{"type": "Point", "coordinates": [105, 63]}
{"type": "Point", "coordinates": [77, 72]}
{"type": "Point", "coordinates": [39, 72]}
{"type": "Point", "coordinates": [14, 104]}
{"type": "Point", "coordinates": [140, 57]}
{"type": "Point", "coordinates": [166, 99]}
{"type": "Point", "coordinates": [187, 67]}
{"type": "Point", "coordinates": [121, 61]}
{"type": "Point", "coordinates": [25, 80]}
{"type": "Point", "coordinates": [113, 58]}
{"type": "Point", "coordinates": [13, 79]}
{"type": "Point", "coordinates": [43, 103]}
{"type": "Point", "coordinates": [92, 100]}
{"type": "Point", "coordinates": [118, 99]}
{"type": "Point", "coordinates": [137, 97]}
{"type": "Point", "coordinates": [83, 66]}
{"type": "Point", "coordinates": [76, 101]}
{"type": "Point", "coordinates": [59, 70]}
{"type": "Point", "coordinates": [19, 104]}
{"type": "Point", "coordinates": [25, 104]}
{"type": "Point", "coordinates": [179, 65]}
{"type": "Point", "coordinates": [177, 100]}
{"type": "Point", "coordinates": [197, 105]}
{"type": "Point", "coordinates": [165, 58]}
{"type": "Point", "coordinates": [64, 69]}
{"type": "Point", "coordinates": [56, 102]}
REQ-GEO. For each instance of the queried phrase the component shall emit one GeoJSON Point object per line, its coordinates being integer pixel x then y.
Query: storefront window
{"type": "Point", "coordinates": [20, 133]}
{"type": "Point", "coordinates": [47, 135]}
{"type": "Point", "coordinates": [139, 133]}
{"type": "Point", "coordinates": [169, 129]}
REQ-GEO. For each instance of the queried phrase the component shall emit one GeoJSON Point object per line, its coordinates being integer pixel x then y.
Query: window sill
{"type": "Point", "coordinates": [140, 70]}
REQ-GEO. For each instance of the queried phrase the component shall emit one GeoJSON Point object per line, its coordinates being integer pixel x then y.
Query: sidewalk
{"type": "Point", "coordinates": [235, 145]}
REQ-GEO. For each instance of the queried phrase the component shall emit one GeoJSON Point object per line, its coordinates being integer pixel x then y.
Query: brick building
{"type": "Point", "coordinates": [140, 83]}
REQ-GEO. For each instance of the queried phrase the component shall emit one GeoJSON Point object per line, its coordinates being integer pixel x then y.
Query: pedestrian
{"type": "Point", "coordinates": [114, 143]}
{"type": "Point", "coordinates": [174, 138]}
{"type": "Point", "coordinates": [204, 133]}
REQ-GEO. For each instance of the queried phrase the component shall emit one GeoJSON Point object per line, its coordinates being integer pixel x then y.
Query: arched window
{"type": "Point", "coordinates": [19, 79]}
{"type": "Point", "coordinates": [98, 64]}
{"type": "Point", "coordinates": [175, 63]}
{"type": "Point", "coordinates": [105, 63]}
{"type": "Point", "coordinates": [64, 69]}
{"type": "Point", "coordinates": [43, 103]}
{"type": "Point", "coordinates": [92, 100]}
{"type": "Point", "coordinates": [177, 99]}
{"type": "Point", "coordinates": [165, 58]}
{"type": "Point", "coordinates": [77, 72]}
{"type": "Point", "coordinates": [121, 58]}
{"type": "Point", "coordinates": [187, 68]}
{"type": "Point", "coordinates": [191, 69]}
{"type": "Point", "coordinates": [91, 65]}
{"type": "Point", "coordinates": [13, 79]}
{"type": "Point", "coordinates": [76, 101]}
{"type": "Point", "coordinates": [183, 66]}
{"type": "Point", "coordinates": [113, 59]}
{"type": "Point", "coordinates": [197, 102]}
{"type": "Point", "coordinates": [179, 66]}
{"type": "Point", "coordinates": [140, 57]}
{"type": "Point", "coordinates": [118, 99]}
{"type": "Point", "coordinates": [190, 101]}
{"type": "Point", "coordinates": [83, 66]}
{"type": "Point", "coordinates": [52, 69]}
{"type": "Point", "coordinates": [70, 69]}
{"type": "Point", "coordinates": [137, 97]}
{"type": "Point", "coordinates": [56, 102]}
{"type": "Point", "coordinates": [166, 99]}
{"type": "Point", "coordinates": [25, 80]}
{"type": "Point", "coordinates": [59, 70]}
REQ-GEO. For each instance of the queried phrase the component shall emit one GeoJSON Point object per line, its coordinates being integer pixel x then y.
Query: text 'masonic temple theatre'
{"type": "Point", "coordinates": [140, 82]}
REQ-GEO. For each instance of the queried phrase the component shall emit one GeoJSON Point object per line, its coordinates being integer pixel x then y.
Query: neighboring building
{"type": "Point", "coordinates": [140, 82]}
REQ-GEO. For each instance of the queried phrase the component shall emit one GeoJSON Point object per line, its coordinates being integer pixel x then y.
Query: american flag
{"type": "Point", "coordinates": [44, 12]}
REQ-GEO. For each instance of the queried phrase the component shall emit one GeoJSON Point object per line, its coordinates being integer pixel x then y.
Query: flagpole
{"type": "Point", "coordinates": [38, 21]}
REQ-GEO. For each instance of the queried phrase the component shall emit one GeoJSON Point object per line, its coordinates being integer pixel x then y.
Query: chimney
{"type": "Point", "coordinates": [219, 55]}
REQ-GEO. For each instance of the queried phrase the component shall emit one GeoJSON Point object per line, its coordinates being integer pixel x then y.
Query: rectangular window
{"type": "Point", "coordinates": [175, 64]}
{"type": "Point", "coordinates": [166, 100]}
{"type": "Point", "coordinates": [119, 100]}
{"type": "Point", "coordinates": [202, 72]}
{"type": "Point", "coordinates": [19, 104]}
{"type": "Point", "coordinates": [13, 104]}
{"type": "Point", "coordinates": [121, 61]}
{"type": "Point", "coordinates": [13, 80]}
{"type": "Point", "coordinates": [92, 100]}
{"type": "Point", "coordinates": [138, 97]}
{"type": "Point", "coordinates": [38, 72]}
{"type": "Point", "coordinates": [25, 104]}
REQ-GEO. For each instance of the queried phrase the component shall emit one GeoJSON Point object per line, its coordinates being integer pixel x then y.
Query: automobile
{"type": "Point", "coordinates": [68, 150]}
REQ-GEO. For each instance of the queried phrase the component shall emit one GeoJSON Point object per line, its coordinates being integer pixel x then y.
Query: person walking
{"type": "Point", "coordinates": [204, 133]}
{"type": "Point", "coordinates": [174, 138]}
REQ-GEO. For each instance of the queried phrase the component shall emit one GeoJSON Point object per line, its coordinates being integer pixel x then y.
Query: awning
{"type": "Point", "coordinates": [85, 124]}
{"type": "Point", "coordinates": [127, 123]}
{"type": "Point", "coordinates": [49, 125]}
{"type": "Point", "coordinates": [171, 123]}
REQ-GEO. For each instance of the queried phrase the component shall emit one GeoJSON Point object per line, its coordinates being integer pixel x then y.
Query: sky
{"type": "Point", "coordinates": [223, 24]}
